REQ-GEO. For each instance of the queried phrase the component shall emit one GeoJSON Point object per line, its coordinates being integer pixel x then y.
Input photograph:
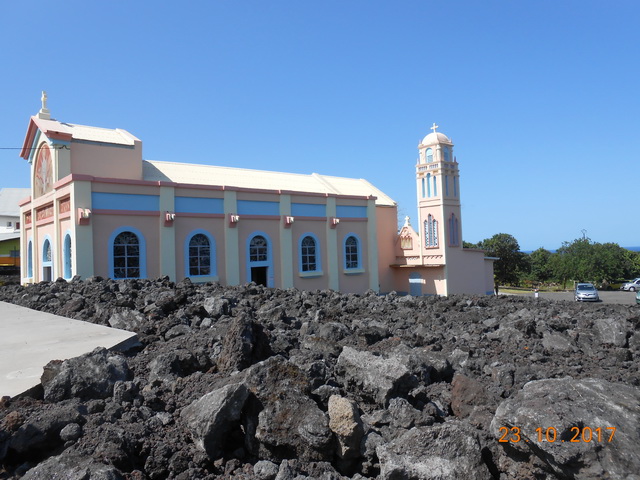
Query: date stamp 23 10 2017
{"type": "Point", "coordinates": [550, 435]}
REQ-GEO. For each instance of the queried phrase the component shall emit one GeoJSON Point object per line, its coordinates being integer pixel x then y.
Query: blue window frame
{"type": "Point", "coordinates": [259, 258]}
{"type": "Point", "coordinates": [200, 254]}
{"type": "Point", "coordinates": [352, 252]}
{"type": "Point", "coordinates": [47, 260]}
{"type": "Point", "coordinates": [309, 256]}
{"type": "Point", "coordinates": [66, 254]}
{"type": "Point", "coordinates": [258, 249]}
{"type": "Point", "coordinates": [30, 259]}
{"type": "Point", "coordinates": [127, 254]}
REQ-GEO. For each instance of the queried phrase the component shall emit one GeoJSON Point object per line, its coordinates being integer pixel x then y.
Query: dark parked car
{"type": "Point", "coordinates": [586, 292]}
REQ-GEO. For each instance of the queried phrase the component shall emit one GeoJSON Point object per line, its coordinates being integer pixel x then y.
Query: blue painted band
{"type": "Point", "coordinates": [348, 211]}
{"type": "Point", "coordinates": [308, 210]}
{"type": "Point", "coordinates": [251, 207]}
{"type": "Point", "coordinates": [199, 205]}
{"type": "Point", "coordinates": [124, 201]}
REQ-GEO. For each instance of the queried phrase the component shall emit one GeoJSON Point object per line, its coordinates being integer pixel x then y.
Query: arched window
{"type": "Point", "coordinates": [430, 232]}
{"type": "Point", "coordinates": [46, 251]}
{"type": "Point", "coordinates": [30, 259]}
{"type": "Point", "coordinates": [126, 255]}
{"type": "Point", "coordinates": [309, 258]}
{"type": "Point", "coordinates": [199, 260]}
{"type": "Point", "coordinates": [454, 231]}
{"type": "Point", "coordinates": [260, 263]}
{"type": "Point", "coordinates": [258, 249]}
{"type": "Point", "coordinates": [66, 253]}
{"type": "Point", "coordinates": [435, 187]}
{"type": "Point", "coordinates": [434, 226]}
{"type": "Point", "coordinates": [447, 154]}
{"type": "Point", "coordinates": [428, 185]}
{"type": "Point", "coordinates": [47, 261]}
{"type": "Point", "coordinates": [455, 186]}
{"type": "Point", "coordinates": [352, 255]}
{"type": "Point", "coordinates": [446, 185]}
{"type": "Point", "coordinates": [429, 155]}
{"type": "Point", "coordinates": [424, 189]}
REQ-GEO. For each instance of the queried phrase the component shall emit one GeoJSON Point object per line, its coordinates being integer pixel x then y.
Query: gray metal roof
{"type": "Point", "coordinates": [9, 198]}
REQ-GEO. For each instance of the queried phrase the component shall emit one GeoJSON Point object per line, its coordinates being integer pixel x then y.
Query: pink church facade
{"type": "Point", "coordinates": [97, 208]}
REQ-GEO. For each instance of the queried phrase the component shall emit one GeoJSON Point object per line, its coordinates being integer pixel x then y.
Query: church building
{"type": "Point", "coordinates": [97, 208]}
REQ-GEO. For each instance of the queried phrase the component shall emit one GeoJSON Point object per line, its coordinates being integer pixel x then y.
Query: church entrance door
{"type": "Point", "coordinates": [259, 275]}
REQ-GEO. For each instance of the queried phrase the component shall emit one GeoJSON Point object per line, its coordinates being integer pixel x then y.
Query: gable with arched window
{"type": "Point", "coordinates": [127, 254]}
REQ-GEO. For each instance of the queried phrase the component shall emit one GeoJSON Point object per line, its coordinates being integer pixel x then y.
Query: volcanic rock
{"type": "Point", "coordinates": [587, 428]}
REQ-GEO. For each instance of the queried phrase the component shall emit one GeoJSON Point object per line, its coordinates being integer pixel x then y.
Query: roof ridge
{"type": "Point", "coordinates": [326, 183]}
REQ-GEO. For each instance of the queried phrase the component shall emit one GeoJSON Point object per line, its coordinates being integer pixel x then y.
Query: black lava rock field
{"type": "Point", "coordinates": [254, 383]}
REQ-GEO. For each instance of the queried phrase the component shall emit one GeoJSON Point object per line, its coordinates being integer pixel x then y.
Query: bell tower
{"type": "Point", "coordinates": [438, 189]}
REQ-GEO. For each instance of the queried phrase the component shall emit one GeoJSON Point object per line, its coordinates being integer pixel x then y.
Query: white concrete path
{"type": "Point", "coordinates": [30, 339]}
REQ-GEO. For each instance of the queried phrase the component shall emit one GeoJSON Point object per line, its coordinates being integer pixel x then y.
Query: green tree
{"type": "Point", "coordinates": [511, 261]}
{"type": "Point", "coordinates": [541, 266]}
{"type": "Point", "coordinates": [632, 264]}
{"type": "Point", "coordinates": [585, 261]}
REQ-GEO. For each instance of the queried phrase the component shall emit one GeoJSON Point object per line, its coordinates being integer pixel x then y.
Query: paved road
{"type": "Point", "coordinates": [30, 339]}
{"type": "Point", "coordinates": [618, 297]}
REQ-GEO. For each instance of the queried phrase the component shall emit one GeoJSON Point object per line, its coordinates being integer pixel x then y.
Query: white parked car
{"type": "Point", "coordinates": [632, 286]}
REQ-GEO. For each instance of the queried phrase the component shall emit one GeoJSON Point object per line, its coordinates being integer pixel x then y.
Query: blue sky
{"type": "Point", "coordinates": [541, 98]}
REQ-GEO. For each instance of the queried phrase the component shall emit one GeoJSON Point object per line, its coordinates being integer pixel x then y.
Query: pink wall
{"type": "Point", "coordinates": [104, 225]}
{"type": "Point", "coordinates": [272, 229]}
{"type": "Point", "coordinates": [387, 226]}
{"type": "Point", "coordinates": [107, 161]}
{"type": "Point", "coordinates": [353, 283]}
{"type": "Point", "coordinates": [467, 271]}
{"type": "Point", "coordinates": [214, 226]}
{"type": "Point", "coordinates": [319, 229]}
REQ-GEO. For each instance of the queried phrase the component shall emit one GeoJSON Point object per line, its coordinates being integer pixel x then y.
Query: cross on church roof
{"type": "Point", "coordinates": [434, 127]}
{"type": "Point", "coordinates": [44, 111]}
